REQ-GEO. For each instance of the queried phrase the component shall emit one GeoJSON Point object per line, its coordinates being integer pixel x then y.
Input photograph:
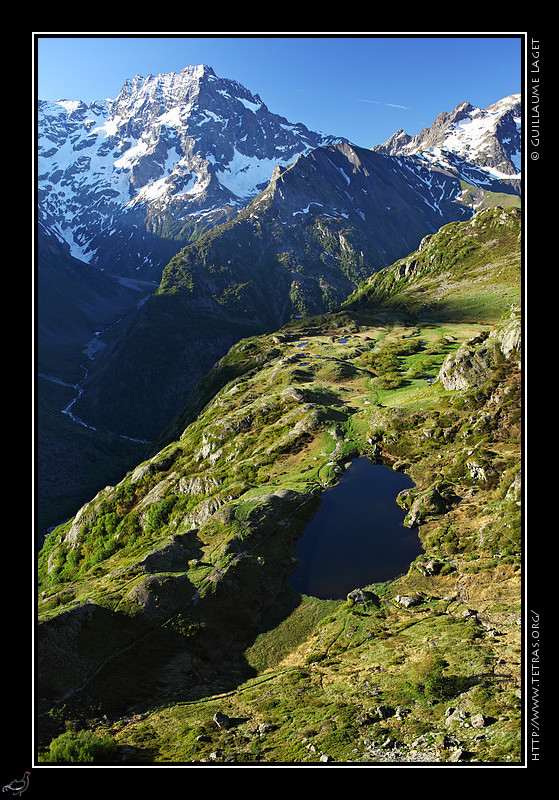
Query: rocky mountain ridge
{"type": "Point", "coordinates": [483, 146]}
{"type": "Point", "coordinates": [127, 182]}
{"type": "Point", "coordinates": [324, 224]}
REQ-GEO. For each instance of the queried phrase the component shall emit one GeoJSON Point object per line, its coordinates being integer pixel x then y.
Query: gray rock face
{"type": "Point", "coordinates": [468, 366]}
{"type": "Point", "coordinates": [361, 596]}
{"type": "Point", "coordinates": [435, 500]}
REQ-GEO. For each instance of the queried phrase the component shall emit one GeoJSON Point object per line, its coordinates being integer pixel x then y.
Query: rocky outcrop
{"type": "Point", "coordinates": [161, 596]}
{"type": "Point", "coordinates": [87, 514]}
{"type": "Point", "coordinates": [509, 334]}
{"type": "Point", "coordinates": [172, 556]}
{"type": "Point", "coordinates": [435, 500]}
{"type": "Point", "coordinates": [73, 646]}
{"type": "Point", "coordinates": [362, 596]}
{"type": "Point", "coordinates": [469, 366]}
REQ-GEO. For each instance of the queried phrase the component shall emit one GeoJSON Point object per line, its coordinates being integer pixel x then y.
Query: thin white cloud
{"type": "Point", "coordinates": [378, 103]}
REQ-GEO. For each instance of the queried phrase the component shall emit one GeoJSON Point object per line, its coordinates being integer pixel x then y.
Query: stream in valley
{"type": "Point", "coordinates": [93, 347]}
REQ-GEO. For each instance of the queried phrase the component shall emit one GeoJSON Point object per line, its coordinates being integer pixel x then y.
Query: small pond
{"type": "Point", "coordinates": [357, 537]}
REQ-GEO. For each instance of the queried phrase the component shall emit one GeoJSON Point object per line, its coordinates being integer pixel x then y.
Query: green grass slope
{"type": "Point", "coordinates": [167, 626]}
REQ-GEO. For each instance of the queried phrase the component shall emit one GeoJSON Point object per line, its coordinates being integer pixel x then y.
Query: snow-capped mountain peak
{"type": "Point", "coordinates": [156, 94]}
{"type": "Point", "coordinates": [128, 182]}
{"type": "Point", "coordinates": [170, 152]}
{"type": "Point", "coordinates": [486, 139]}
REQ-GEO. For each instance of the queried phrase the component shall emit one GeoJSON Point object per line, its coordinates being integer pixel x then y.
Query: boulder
{"type": "Point", "coordinates": [481, 470]}
{"type": "Point", "coordinates": [431, 567]}
{"type": "Point", "coordinates": [514, 492]}
{"type": "Point", "coordinates": [222, 720]}
{"type": "Point", "coordinates": [407, 601]}
{"type": "Point", "coordinates": [467, 366]}
{"type": "Point", "coordinates": [385, 712]}
{"type": "Point", "coordinates": [360, 596]}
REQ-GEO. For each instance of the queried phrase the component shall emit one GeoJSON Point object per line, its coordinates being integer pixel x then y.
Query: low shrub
{"type": "Point", "coordinates": [82, 746]}
{"type": "Point", "coordinates": [427, 680]}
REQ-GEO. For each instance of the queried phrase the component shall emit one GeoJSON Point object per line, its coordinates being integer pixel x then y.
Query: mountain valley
{"type": "Point", "coordinates": [167, 596]}
{"type": "Point", "coordinates": [229, 322]}
{"type": "Point", "coordinates": [309, 217]}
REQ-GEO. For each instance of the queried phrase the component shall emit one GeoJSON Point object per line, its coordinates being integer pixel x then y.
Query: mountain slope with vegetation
{"type": "Point", "coordinates": [168, 628]}
{"type": "Point", "coordinates": [321, 226]}
{"type": "Point", "coordinates": [123, 185]}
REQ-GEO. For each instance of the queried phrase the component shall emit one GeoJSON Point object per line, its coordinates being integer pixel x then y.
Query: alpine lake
{"type": "Point", "coordinates": [357, 536]}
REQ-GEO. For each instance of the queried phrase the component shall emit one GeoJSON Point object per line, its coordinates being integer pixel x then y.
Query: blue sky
{"type": "Point", "coordinates": [363, 87]}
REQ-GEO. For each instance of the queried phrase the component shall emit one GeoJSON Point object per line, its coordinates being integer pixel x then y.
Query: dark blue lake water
{"type": "Point", "coordinates": [357, 537]}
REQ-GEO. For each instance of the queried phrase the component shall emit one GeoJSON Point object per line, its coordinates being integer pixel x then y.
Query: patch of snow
{"type": "Point", "coordinates": [250, 105]}
{"type": "Point", "coordinates": [243, 173]}
{"type": "Point", "coordinates": [70, 105]}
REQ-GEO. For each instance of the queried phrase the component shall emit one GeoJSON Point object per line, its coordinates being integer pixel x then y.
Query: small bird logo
{"type": "Point", "coordinates": [17, 787]}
